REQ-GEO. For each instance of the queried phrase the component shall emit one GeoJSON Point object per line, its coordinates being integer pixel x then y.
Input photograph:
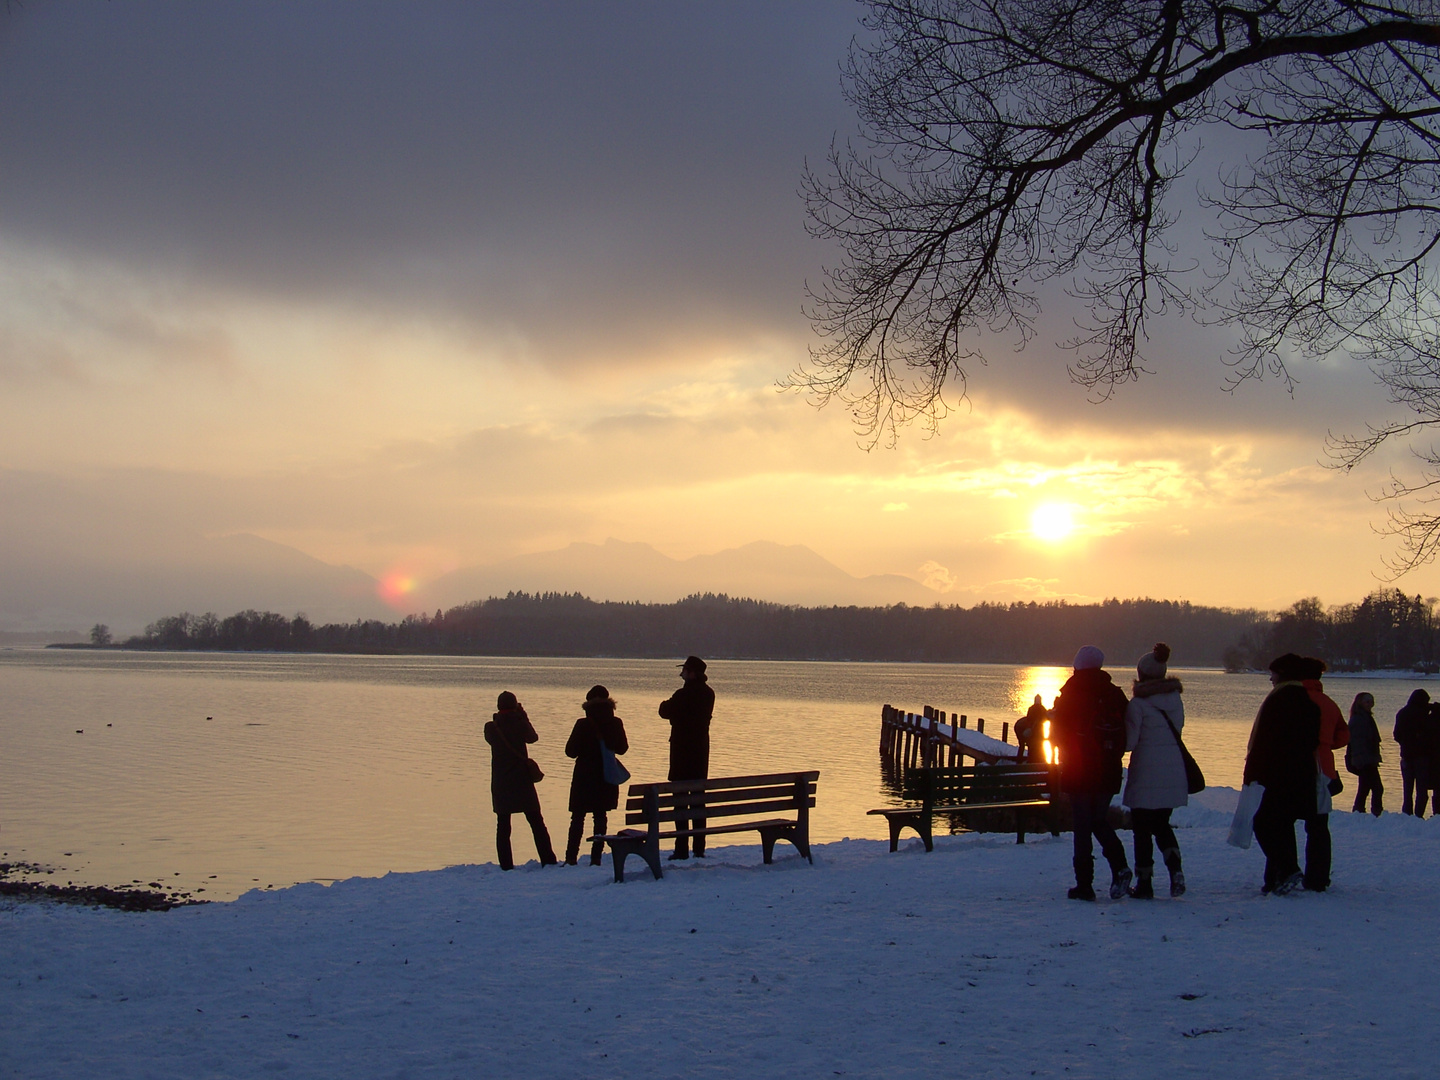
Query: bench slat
{"type": "Point", "coordinates": [720, 783]}
{"type": "Point", "coordinates": [770, 806]}
{"type": "Point", "coordinates": [713, 798]}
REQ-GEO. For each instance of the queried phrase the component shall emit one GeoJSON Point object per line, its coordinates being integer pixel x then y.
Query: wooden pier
{"type": "Point", "coordinates": [916, 740]}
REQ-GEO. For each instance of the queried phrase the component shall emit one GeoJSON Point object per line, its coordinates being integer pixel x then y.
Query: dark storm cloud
{"type": "Point", "coordinates": [585, 176]}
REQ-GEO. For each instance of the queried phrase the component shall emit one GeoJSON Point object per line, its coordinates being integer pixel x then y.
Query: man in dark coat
{"type": "Point", "coordinates": [1282, 758]}
{"type": "Point", "coordinates": [1087, 726]}
{"type": "Point", "coordinates": [689, 710]}
{"type": "Point", "coordinates": [512, 790]}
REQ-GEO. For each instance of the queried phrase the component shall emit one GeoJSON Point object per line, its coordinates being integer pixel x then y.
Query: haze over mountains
{"type": "Point", "coordinates": [68, 583]}
{"type": "Point", "coordinates": [617, 570]}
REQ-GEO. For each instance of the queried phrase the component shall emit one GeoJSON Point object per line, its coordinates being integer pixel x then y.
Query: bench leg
{"type": "Point", "coordinates": [768, 836]}
{"type": "Point", "coordinates": [620, 850]}
{"type": "Point", "coordinates": [919, 821]}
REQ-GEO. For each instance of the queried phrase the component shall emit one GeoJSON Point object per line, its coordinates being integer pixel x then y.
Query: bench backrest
{"type": "Point", "coordinates": [721, 796]}
{"type": "Point", "coordinates": [977, 784]}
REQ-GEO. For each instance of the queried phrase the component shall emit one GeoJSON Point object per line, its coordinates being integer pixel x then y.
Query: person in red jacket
{"type": "Point", "coordinates": [1334, 733]}
{"type": "Point", "coordinates": [1087, 725]}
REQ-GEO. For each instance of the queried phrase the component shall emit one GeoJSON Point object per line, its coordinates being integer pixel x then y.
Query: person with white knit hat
{"type": "Point", "coordinates": [1156, 782]}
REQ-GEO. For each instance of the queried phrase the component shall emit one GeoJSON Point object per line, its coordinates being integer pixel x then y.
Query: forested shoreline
{"type": "Point", "coordinates": [1385, 630]}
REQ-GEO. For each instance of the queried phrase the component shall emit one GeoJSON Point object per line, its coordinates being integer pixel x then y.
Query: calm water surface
{"type": "Point", "coordinates": [232, 771]}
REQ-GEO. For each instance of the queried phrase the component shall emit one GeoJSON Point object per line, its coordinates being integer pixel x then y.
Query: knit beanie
{"type": "Point", "coordinates": [1152, 664]}
{"type": "Point", "coordinates": [506, 701]}
{"type": "Point", "coordinates": [1089, 657]}
{"type": "Point", "coordinates": [597, 693]}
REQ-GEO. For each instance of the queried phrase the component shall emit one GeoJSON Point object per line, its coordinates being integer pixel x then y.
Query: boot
{"type": "Point", "coordinates": [1177, 875]}
{"type": "Point", "coordinates": [1084, 880]}
{"type": "Point", "coordinates": [1144, 888]}
{"type": "Point", "coordinates": [1120, 883]}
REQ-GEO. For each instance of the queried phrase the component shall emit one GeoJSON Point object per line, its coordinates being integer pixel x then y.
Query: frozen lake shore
{"type": "Point", "coordinates": [866, 964]}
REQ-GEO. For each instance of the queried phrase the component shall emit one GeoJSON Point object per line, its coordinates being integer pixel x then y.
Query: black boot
{"type": "Point", "coordinates": [1084, 880]}
{"type": "Point", "coordinates": [1177, 875]}
{"type": "Point", "coordinates": [1144, 888]}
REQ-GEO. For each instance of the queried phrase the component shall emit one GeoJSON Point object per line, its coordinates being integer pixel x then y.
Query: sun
{"type": "Point", "coordinates": [1052, 522]}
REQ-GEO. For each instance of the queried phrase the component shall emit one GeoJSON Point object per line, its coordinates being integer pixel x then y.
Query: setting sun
{"type": "Point", "coordinates": [1052, 521]}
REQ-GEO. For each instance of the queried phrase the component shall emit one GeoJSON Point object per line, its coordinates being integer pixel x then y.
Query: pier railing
{"type": "Point", "coordinates": [915, 740]}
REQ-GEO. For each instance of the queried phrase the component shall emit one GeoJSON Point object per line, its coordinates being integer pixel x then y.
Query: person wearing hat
{"type": "Point", "coordinates": [1281, 757]}
{"type": "Point", "coordinates": [590, 793]}
{"type": "Point", "coordinates": [1155, 783]}
{"type": "Point", "coordinates": [1087, 726]}
{"type": "Point", "coordinates": [689, 710]}
{"type": "Point", "coordinates": [512, 785]}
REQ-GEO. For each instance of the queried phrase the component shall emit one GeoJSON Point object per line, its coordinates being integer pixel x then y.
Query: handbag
{"type": "Point", "coordinates": [531, 765]}
{"type": "Point", "coordinates": [610, 767]}
{"type": "Point", "coordinates": [1194, 778]}
{"type": "Point", "coordinates": [1242, 828]}
{"type": "Point", "coordinates": [1323, 804]}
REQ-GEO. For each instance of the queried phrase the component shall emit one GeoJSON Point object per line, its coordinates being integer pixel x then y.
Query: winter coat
{"type": "Point", "coordinates": [1088, 725]}
{"type": "Point", "coordinates": [1334, 732]}
{"type": "Point", "coordinates": [511, 789]}
{"type": "Point", "coordinates": [1364, 749]}
{"type": "Point", "coordinates": [689, 710]}
{"type": "Point", "coordinates": [1281, 756]}
{"type": "Point", "coordinates": [589, 793]}
{"type": "Point", "coordinates": [1411, 726]}
{"type": "Point", "coordinates": [1156, 778]}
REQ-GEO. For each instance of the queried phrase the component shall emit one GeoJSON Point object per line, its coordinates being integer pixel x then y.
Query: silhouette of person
{"type": "Point", "coordinates": [1334, 733]}
{"type": "Point", "coordinates": [1029, 731]}
{"type": "Point", "coordinates": [689, 710]}
{"type": "Point", "coordinates": [1411, 724]}
{"type": "Point", "coordinates": [512, 788]}
{"type": "Point", "coordinates": [590, 793]}
{"type": "Point", "coordinates": [1087, 725]}
{"type": "Point", "coordinates": [1283, 741]}
{"type": "Point", "coordinates": [1362, 756]}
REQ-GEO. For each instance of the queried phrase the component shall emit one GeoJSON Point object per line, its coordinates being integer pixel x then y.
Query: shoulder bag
{"type": "Point", "coordinates": [531, 765]}
{"type": "Point", "coordinates": [1194, 778]}
{"type": "Point", "coordinates": [610, 767]}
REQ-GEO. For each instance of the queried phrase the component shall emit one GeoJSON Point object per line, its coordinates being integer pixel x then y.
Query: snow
{"type": "Point", "coordinates": [975, 741]}
{"type": "Point", "coordinates": [968, 960]}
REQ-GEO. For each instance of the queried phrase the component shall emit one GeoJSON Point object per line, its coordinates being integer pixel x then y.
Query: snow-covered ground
{"type": "Point", "coordinates": [968, 961]}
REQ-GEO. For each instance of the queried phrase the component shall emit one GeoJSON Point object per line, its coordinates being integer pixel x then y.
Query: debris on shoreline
{"type": "Point", "coordinates": [122, 899]}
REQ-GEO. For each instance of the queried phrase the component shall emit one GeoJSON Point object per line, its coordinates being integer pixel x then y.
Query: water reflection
{"type": "Point", "coordinates": [370, 764]}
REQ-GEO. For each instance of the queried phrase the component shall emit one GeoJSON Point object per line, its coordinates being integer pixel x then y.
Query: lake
{"type": "Point", "coordinates": [226, 772]}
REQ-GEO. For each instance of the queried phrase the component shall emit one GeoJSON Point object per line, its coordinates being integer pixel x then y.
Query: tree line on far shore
{"type": "Point", "coordinates": [1385, 630]}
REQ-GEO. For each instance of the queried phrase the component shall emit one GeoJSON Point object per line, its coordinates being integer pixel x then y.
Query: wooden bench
{"type": "Point", "coordinates": [657, 807]}
{"type": "Point", "coordinates": [965, 789]}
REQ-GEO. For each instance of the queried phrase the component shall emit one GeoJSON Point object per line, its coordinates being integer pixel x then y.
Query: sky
{"type": "Point", "coordinates": [417, 287]}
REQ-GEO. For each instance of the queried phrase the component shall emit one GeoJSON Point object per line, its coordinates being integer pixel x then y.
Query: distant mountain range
{"type": "Point", "coordinates": [617, 570]}
{"type": "Point", "coordinates": [58, 586]}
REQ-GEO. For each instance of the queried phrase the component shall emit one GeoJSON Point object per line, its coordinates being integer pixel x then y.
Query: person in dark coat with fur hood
{"type": "Point", "coordinates": [1087, 726]}
{"type": "Point", "coordinates": [589, 791]}
{"type": "Point", "coordinates": [1156, 782]}
{"type": "Point", "coordinates": [512, 787]}
{"type": "Point", "coordinates": [1281, 756]}
{"type": "Point", "coordinates": [689, 710]}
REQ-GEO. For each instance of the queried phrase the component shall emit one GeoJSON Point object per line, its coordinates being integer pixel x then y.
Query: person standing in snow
{"type": "Point", "coordinates": [590, 793]}
{"type": "Point", "coordinates": [1410, 730]}
{"type": "Point", "coordinates": [1156, 782]}
{"type": "Point", "coordinates": [1087, 727]}
{"type": "Point", "coordinates": [1334, 733]}
{"type": "Point", "coordinates": [1281, 757]}
{"type": "Point", "coordinates": [512, 782]}
{"type": "Point", "coordinates": [1362, 756]}
{"type": "Point", "coordinates": [689, 710]}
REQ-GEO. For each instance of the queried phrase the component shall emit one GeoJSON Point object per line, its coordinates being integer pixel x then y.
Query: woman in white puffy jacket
{"type": "Point", "coordinates": [1156, 783]}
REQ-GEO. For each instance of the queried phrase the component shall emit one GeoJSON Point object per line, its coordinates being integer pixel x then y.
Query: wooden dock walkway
{"type": "Point", "coordinates": [915, 740]}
